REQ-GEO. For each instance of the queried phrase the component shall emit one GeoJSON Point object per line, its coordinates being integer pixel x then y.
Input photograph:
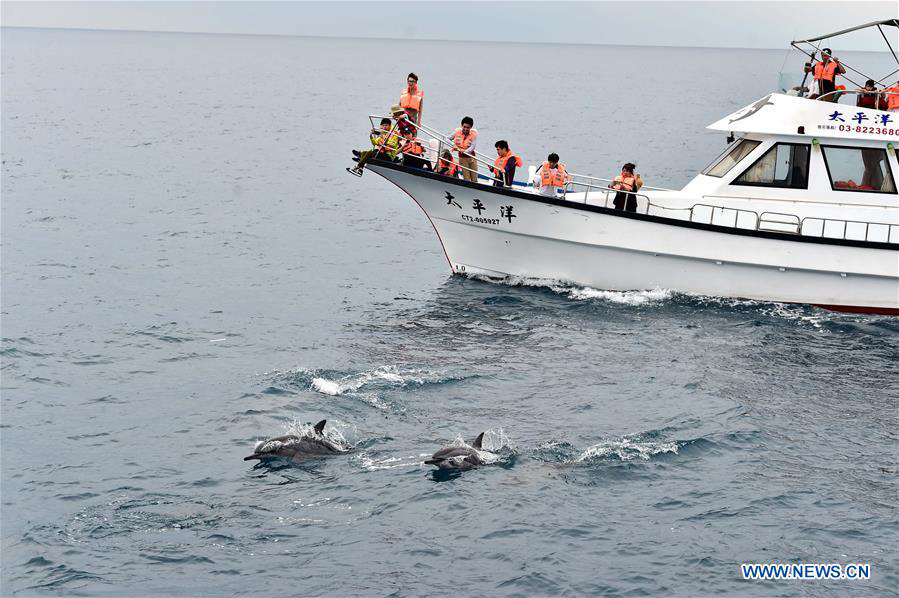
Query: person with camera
{"type": "Point", "coordinates": [385, 146]}
{"type": "Point", "coordinates": [825, 74]}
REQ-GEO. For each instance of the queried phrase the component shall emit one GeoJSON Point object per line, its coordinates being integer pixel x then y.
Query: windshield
{"type": "Point", "coordinates": [731, 157]}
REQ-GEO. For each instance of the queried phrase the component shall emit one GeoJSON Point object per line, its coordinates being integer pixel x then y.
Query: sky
{"type": "Point", "coordinates": [704, 24]}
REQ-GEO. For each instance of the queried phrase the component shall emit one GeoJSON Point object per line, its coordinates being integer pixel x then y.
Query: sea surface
{"type": "Point", "coordinates": [188, 269]}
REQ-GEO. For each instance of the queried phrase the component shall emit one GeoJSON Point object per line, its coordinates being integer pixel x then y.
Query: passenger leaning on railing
{"type": "Point", "coordinates": [413, 153]}
{"type": "Point", "coordinates": [627, 184]}
{"type": "Point", "coordinates": [504, 168]}
{"type": "Point", "coordinates": [464, 140]}
{"type": "Point", "coordinates": [385, 146]}
{"type": "Point", "coordinates": [446, 165]}
{"type": "Point", "coordinates": [870, 98]}
{"type": "Point", "coordinates": [552, 176]}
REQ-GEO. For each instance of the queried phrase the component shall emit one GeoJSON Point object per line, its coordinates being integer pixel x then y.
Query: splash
{"type": "Point", "coordinates": [495, 446]}
{"type": "Point", "coordinates": [385, 375]}
{"type": "Point", "coordinates": [370, 463]}
{"type": "Point", "coordinates": [334, 431]}
{"type": "Point", "coordinates": [582, 293]}
{"type": "Point", "coordinates": [622, 297]}
{"type": "Point", "coordinates": [627, 449]}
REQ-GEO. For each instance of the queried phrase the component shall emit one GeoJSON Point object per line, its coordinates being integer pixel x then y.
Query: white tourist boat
{"type": "Point", "coordinates": [802, 207]}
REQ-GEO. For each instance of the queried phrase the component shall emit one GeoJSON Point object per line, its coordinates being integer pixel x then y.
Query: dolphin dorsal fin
{"type": "Point", "coordinates": [320, 427]}
{"type": "Point", "coordinates": [478, 441]}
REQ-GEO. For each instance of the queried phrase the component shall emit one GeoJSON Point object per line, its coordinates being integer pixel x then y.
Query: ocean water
{"type": "Point", "coordinates": [187, 269]}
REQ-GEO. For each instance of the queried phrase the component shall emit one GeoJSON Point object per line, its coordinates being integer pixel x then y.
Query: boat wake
{"type": "Point", "coordinates": [581, 293]}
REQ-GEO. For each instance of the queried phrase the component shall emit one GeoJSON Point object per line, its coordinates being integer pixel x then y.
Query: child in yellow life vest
{"type": "Point", "coordinates": [385, 146]}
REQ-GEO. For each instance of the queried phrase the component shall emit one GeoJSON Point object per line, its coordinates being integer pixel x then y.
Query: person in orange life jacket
{"type": "Point", "coordinates": [504, 168]}
{"type": "Point", "coordinates": [626, 183]}
{"type": "Point", "coordinates": [552, 176]}
{"type": "Point", "coordinates": [891, 97]}
{"type": "Point", "coordinates": [446, 165]}
{"type": "Point", "coordinates": [825, 72]}
{"type": "Point", "coordinates": [403, 125]}
{"type": "Point", "coordinates": [413, 153]}
{"type": "Point", "coordinates": [464, 140]}
{"type": "Point", "coordinates": [869, 98]}
{"type": "Point", "coordinates": [412, 98]}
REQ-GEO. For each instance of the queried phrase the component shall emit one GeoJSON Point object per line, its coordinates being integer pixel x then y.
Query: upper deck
{"type": "Point", "coordinates": [780, 114]}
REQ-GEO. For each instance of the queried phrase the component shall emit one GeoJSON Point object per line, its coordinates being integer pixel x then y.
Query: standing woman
{"type": "Point", "coordinates": [627, 184]}
{"type": "Point", "coordinates": [412, 98]}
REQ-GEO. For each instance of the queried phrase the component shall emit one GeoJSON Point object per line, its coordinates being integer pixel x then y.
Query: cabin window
{"type": "Point", "coordinates": [731, 157]}
{"type": "Point", "coordinates": [785, 165]}
{"type": "Point", "coordinates": [859, 169]}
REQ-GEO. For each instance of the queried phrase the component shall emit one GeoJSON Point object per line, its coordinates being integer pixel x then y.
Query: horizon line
{"type": "Point", "coordinates": [405, 39]}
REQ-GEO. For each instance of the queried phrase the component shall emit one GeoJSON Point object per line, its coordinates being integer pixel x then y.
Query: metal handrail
{"type": "Point", "coordinates": [759, 220]}
{"type": "Point", "coordinates": [607, 193]}
{"type": "Point", "coordinates": [846, 223]}
{"type": "Point", "coordinates": [858, 92]}
{"type": "Point", "coordinates": [593, 178]}
{"type": "Point", "coordinates": [736, 211]}
{"type": "Point", "coordinates": [442, 139]}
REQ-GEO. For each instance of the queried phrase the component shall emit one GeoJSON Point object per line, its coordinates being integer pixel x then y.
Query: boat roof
{"type": "Point", "coordinates": [780, 114]}
{"type": "Point", "coordinates": [887, 22]}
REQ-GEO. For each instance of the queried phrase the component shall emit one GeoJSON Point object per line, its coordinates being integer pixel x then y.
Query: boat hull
{"type": "Point", "coordinates": [501, 233]}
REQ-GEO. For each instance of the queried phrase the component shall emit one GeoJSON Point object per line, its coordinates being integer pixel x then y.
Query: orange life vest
{"type": "Point", "coordinates": [892, 97]}
{"type": "Point", "coordinates": [414, 148]}
{"type": "Point", "coordinates": [626, 183]}
{"type": "Point", "coordinates": [412, 100]}
{"type": "Point", "coordinates": [462, 140]}
{"type": "Point", "coordinates": [550, 179]}
{"type": "Point", "coordinates": [499, 166]}
{"type": "Point", "coordinates": [451, 168]}
{"type": "Point", "coordinates": [500, 163]}
{"type": "Point", "coordinates": [826, 72]}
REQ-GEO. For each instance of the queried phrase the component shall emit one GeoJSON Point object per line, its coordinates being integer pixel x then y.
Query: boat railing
{"type": "Point", "coordinates": [569, 193]}
{"type": "Point", "coordinates": [854, 230]}
{"type": "Point", "coordinates": [596, 191]}
{"type": "Point", "coordinates": [838, 93]}
{"type": "Point", "coordinates": [576, 177]}
{"type": "Point", "coordinates": [433, 150]}
{"type": "Point", "coordinates": [723, 216]}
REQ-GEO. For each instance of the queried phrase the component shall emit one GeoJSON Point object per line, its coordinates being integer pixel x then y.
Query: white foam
{"type": "Point", "coordinates": [325, 386]}
{"type": "Point", "coordinates": [622, 297]}
{"type": "Point", "coordinates": [384, 374]}
{"type": "Point", "coordinates": [626, 449]}
{"type": "Point", "coordinates": [333, 431]}
{"type": "Point", "coordinates": [493, 442]}
{"type": "Point", "coordinates": [371, 464]}
{"type": "Point", "coordinates": [577, 292]}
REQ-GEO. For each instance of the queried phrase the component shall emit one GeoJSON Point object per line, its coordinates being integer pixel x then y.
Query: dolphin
{"type": "Point", "coordinates": [296, 447]}
{"type": "Point", "coordinates": [459, 457]}
{"type": "Point", "coordinates": [754, 108]}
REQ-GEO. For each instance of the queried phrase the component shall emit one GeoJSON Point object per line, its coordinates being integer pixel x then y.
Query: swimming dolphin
{"type": "Point", "coordinates": [297, 447]}
{"type": "Point", "coordinates": [458, 457]}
